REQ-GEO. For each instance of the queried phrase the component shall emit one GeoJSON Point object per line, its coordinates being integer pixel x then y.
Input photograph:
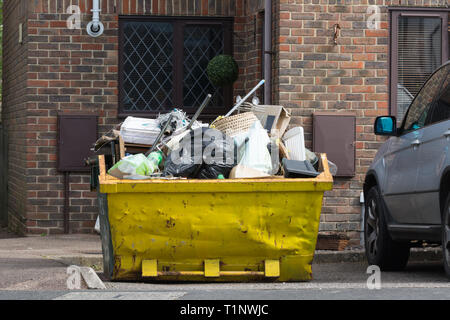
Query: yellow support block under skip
{"type": "Point", "coordinates": [150, 268]}
{"type": "Point", "coordinates": [212, 268]}
{"type": "Point", "coordinates": [272, 268]}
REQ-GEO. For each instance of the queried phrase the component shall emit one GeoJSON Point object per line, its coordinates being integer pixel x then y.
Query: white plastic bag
{"type": "Point", "coordinates": [97, 225]}
{"type": "Point", "coordinates": [252, 149]}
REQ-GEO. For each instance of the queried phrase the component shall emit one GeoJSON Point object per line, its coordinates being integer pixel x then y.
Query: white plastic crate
{"type": "Point", "coordinates": [294, 140]}
{"type": "Point", "coordinates": [140, 130]}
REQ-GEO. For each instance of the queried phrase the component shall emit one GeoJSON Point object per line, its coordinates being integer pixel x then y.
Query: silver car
{"type": "Point", "coordinates": [407, 188]}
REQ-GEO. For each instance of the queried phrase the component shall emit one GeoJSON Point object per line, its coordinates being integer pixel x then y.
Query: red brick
{"type": "Point", "coordinates": [352, 64]}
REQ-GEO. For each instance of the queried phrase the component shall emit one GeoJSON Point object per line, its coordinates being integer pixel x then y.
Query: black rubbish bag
{"type": "Point", "coordinates": [204, 153]}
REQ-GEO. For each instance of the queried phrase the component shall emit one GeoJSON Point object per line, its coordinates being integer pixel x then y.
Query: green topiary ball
{"type": "Point", "coordinates": [222, 70]}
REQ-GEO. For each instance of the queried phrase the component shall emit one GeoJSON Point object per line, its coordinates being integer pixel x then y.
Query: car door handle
{"type": "Point", "coordinates": [447, 133]}
{"type": "Point", "coordinates": [415, 143]}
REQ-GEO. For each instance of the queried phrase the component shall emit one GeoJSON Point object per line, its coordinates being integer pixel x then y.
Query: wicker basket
{"type": "Point", "coordinates": [237, 124]}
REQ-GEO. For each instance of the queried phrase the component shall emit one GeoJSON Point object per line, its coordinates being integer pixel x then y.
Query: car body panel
{"type": "Point", "coordinates": [409, 174]}
{"type": "Point", "coordinates": [401, 166]}
{"type": "Point", "coordinates": [434, 158]}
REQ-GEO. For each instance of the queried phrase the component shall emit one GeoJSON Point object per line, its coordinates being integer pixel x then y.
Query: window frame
{"type": "Point", "coordinates": [179, 22]}
{"type": "Point", "coordinates": [394, 14]}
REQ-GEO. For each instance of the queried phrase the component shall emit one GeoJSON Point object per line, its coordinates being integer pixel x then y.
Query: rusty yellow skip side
{"type": "Point", "coordinates": [211, 230]}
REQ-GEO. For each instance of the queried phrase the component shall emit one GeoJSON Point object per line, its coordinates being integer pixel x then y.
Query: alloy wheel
{"type": "Point", "coordinates": [446, 237]}
{"type": "Point", "coordinates": [372, 226]}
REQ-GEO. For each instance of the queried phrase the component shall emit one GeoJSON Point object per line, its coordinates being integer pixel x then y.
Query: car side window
{"type": "Point", "coordinates": [441, 108]}
{"type": "Point", "coordinates": [419, 110]}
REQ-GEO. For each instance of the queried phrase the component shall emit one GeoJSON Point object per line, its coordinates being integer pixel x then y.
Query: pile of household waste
{"type": "Point", "coordinates": [251, 141]}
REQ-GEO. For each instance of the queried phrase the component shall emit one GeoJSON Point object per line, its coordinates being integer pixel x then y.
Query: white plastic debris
{"type": "Point", "coordinates": [294, 140]}
{"type": "Point", "coordinates": [97, 225]}
{"type": "Point", "coordinates": [140, 130]}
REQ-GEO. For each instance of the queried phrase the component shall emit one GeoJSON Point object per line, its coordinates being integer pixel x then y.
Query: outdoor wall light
{"type": "Point", "coordinates": [95, 28]}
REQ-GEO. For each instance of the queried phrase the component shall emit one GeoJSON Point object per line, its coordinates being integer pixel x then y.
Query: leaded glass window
{"type": "Point", "coordinates": [201, 44]}
{"type": "Point", "coordinates": [147, 66]}
{"type": "Point", "coordinates": [163, 64]}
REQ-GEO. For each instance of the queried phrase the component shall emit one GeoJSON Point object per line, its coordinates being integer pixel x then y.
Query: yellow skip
{"type": "Point", "coordinates": [214, 230]}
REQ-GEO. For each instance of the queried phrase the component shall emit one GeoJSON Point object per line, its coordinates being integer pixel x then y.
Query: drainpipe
{"type": "Point", "coordinates": [268, 52]}
{"type": "Point", "coordinates": [95, 28]}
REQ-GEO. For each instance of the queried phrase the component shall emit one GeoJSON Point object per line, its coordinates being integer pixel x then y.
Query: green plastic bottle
{"type": "Point", "coordinates": [155, 159]}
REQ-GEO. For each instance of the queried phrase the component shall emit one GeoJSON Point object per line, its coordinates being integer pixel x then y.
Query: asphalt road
{"type": "Point", "coordinates": [27, 272]}
{"type": "Point", "coordinates": [46, 279]}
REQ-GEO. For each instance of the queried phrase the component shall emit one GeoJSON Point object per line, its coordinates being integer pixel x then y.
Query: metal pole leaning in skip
{"type": "Point", "coordinates": [245, 98]}
{"type": "Point", "coordinates": [199, 111]}
{"type": "Point", "coordinates": [160, 136]}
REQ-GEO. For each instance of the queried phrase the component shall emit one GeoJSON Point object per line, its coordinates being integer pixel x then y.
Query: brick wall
{"type": "Point", "coordinates": [248, 39]}
{"type": "Point", "coordinates": [315, 74]}
{"type": "Point", "coordinates": [14, 109]}
{"type": "Point", "coordinates": [67, 70]}
{"type": "Point", "coordinates": [71, 72]}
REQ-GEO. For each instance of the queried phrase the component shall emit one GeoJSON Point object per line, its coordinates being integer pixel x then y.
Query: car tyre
{"type": "Point", "coordinates": [446, 236]}
{"type": "Point", "coordinates": [381, 250]}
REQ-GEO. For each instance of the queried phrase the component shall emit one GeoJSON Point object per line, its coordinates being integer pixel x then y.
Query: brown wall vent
{"type": "Point", "coordinates": [76, 136]}
{"type": "Point", "coordinates": [334, 134]}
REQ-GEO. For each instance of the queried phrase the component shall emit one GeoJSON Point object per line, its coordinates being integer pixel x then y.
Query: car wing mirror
{"type": "Point", "coordinates": [385, 126]}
